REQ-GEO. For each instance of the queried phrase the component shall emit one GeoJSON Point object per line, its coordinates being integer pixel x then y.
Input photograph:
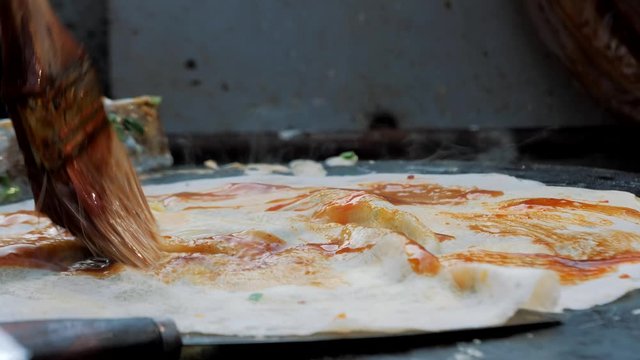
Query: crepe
{"type": "Point", "coordinates": [289, 255]}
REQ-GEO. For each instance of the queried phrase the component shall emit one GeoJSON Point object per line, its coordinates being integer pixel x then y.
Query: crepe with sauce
{"type": "Point", "coordinates": [290, 255]}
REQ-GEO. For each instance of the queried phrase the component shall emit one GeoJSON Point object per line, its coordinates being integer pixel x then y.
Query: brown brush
{"type": "Point", "coordinates": [80, 174]}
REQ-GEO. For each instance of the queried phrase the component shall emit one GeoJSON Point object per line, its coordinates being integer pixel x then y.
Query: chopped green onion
{"type": "Point", "coordinates": [155, 100]}
{"type": "Point", "coordinates": [113, 118]}
{"type": "Point", "coordinates": [8, 191]}
{"type": "Point", "coordinates": [133, 125]}
{"type": "Point", "coordinates": [349, 155]}
{"type": "Point", "coordinates": [122, 135]}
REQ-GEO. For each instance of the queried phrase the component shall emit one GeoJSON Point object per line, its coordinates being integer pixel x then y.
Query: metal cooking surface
{"type": "Point", "coordinates": [587, 177]}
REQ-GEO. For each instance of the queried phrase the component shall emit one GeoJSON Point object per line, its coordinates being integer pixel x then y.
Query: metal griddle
{"type": "Point", "coordinates": [608, 331]}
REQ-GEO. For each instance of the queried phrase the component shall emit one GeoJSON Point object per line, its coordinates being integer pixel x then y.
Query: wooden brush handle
{"type": "Point", "coordinates": [35, 45]}
{"type": "Point", "coordinates": [80, 174]}
{"type": "Point", "coordinates": [50, 88]}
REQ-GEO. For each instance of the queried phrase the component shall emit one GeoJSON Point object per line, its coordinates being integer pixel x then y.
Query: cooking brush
{"type": "Point", "coordinates": [80, 174]}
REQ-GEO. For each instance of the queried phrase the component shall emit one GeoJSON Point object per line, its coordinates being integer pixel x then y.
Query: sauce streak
{"type": "Point", "coordinates": [400, 194]}
{"type": "Point", "coordinates": [345, 210]}
{"type": "Point", "coordinates": [283, 203]}
{"type": "Point", "coordinates": [337, 249]}
{"type": "Point", "coordinates": [228, 192]}
{"type": "Point", "coordinates": [345, 250]}
{"type": "Point", "coordinates": [341, 245]}
{"type": "Point", "coordinates": [444, 237]}
{"type": "Point", "coordinates": [422, 261]}
{"type": "Point", "coordinates": [570, 271]}
{"type": "Point", "coordinates": [246, 244]}
{"type": "Point", "coordinates": [427, 194]}
{"type": "Point", "coordinates": [210, 207]}
{"type": "Point", "coordinates": [358, 209]}
{"type": "Point", "coordinates": [56, 255]}
{"type": "Point", "coordinates": [559, 225]}
{"type": "Point", "coordinates": [537, 203]}
{"type": "Point", "coordinates": [196, 196]}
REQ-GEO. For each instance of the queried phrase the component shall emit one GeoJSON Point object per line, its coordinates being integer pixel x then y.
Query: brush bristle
{"type": "Point", "coordinates": [110, 213]}
{"type": "Point", "coordinates": [79, 170]}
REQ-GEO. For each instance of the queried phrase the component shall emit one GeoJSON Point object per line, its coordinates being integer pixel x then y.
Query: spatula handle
{"type": "Point", "coordinates": [141, 338]}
